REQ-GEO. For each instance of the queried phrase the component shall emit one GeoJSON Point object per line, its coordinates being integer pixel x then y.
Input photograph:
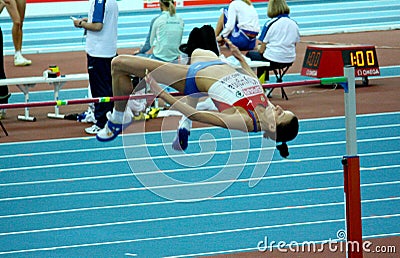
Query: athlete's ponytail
{"type": "Point", "coordinates": [284, 132]}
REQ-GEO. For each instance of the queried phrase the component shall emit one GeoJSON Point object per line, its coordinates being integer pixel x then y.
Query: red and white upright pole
{"type": "Point", "coordinates": [351, 167]}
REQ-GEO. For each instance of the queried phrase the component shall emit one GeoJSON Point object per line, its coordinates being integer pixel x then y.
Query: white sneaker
{"type": "Point", "coordinates": [19, 60]}
{"type": "Point", "coordinates": [94, 129]}
{"type": "Point", "coordinates": [87, 117]}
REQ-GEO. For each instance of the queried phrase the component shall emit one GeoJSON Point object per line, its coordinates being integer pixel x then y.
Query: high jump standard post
{"type": "Point", "coordinates": [351, 167]}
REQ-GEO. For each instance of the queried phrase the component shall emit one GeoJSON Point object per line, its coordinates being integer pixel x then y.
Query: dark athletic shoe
{"type": "Point", "coordinates": [181, 141]}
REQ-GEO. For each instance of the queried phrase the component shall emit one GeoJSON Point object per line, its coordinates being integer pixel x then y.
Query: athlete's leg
{"type": "Point", "coordinates": [185, 124]}
{"type": "Point", "coordinates": [122, 68]}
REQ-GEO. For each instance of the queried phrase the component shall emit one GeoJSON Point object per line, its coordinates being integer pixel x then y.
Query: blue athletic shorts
{"type": "Point", "coordinates": [191, 87]}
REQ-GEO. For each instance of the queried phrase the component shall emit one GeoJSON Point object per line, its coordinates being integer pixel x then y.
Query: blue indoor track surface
{"type": "Point", "coordinates": [136, 197]}
{"type": "Point", "coordinates": [78, 197]}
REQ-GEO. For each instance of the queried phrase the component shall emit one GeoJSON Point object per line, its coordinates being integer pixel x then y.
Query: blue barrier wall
{"type": "Point", "coordinates": [55, 32]}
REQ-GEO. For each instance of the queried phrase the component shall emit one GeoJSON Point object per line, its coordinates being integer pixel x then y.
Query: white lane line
{"type": "Point", "coordinates": [199, 234]}
{"type": "Point", "coordinates": [58, 152]}
{"type": "Point", "coordinates": [194, 200]}
{"type": "Point", "coordinates": [246, 180]}
{"type": "Point", "coordinates": [124, 160]}
{"type": "Point", "coordinates": [193, 216]}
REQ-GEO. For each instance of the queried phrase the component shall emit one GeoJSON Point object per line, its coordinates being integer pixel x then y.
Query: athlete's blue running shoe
{"type": "Point", "coordinates": [111, 130]}
{"type": "Point", "coordinates": [181, 140]}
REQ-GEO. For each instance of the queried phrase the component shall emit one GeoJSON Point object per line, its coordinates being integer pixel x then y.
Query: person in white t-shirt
{"type": "Point", "coordinates": [239, 23]}
{"type": "Point", "coordinates": [278, 37]}
{"type": "Point", "coordinates": [101, 27]}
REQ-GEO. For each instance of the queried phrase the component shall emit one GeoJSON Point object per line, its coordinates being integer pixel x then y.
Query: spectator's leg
{"type": "Point", "coordinates": [220, 24]}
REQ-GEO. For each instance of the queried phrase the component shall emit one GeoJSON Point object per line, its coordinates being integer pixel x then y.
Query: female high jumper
{"type": "Point", "coordinates": [238, 95]}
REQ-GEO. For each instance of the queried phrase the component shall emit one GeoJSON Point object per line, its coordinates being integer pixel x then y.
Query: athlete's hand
{"type": "Point", "coordinates": [220, 41]}
{"type": "Point", "coordinates": [154, 86]}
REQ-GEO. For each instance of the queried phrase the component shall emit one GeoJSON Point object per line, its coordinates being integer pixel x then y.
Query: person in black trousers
{"type": "Point", "coordinates": [4, 94]}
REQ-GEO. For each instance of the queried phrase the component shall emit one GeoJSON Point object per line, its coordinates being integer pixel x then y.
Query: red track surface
{"type": "Point", "coordinates": [306, 101]}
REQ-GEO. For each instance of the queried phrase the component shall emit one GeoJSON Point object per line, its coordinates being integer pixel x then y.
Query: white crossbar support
{"type": "Point", "coordinates": [57, 88]}
{"type": "Point", "coordinates": [350, 112]}
{"type": "Point", "coordinates": [25, 89]}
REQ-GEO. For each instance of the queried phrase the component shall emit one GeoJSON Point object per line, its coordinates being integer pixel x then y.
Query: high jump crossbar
{"type": "Point", "coordinates": [322, 81]}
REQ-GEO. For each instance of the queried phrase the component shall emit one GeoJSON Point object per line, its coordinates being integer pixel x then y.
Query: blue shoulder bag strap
{"type": "Point", "coordinates": [266, 28]}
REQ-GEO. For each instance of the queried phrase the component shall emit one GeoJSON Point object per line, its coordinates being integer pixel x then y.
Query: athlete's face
{"type": "Point", "coordinates": [282, 116]}
{"type": "Point", "coordinates": [273, 116]}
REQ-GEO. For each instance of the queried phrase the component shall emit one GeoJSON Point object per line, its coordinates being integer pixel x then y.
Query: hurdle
{"type": "Point", "coordinates": [26, 83]}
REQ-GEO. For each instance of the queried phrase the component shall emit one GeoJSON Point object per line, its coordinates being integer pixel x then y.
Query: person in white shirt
{"type": "Point", "coordinates": [278, 37]}
{"type": "Point", "coordinates": [240, 24]}
{"type": "Point", "coordinates": [101, 47]}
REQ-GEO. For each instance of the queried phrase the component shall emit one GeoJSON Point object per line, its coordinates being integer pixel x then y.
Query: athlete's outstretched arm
{"type": "Point", "coordinates": [231, 121]}
{"type": "Point", "coordinates": [239, 56]}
